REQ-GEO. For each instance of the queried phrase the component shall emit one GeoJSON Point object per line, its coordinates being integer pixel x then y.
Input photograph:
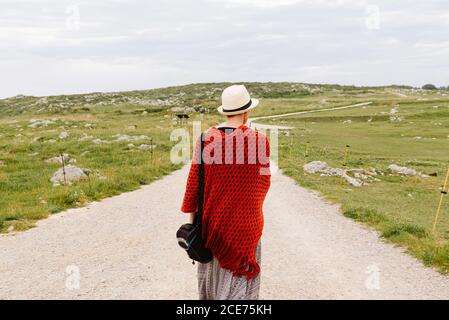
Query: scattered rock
{"type": "Point", "coordinates": [85, 153]}
{"type": "Point", "coordinates": [405, 171]}
{"type": "Point", "coordinates": [72, 174]}
{"type": "Point", "coordinates": [347, 122]}
{"type": "Point", "coordinates": [395, 118]}
{"type": "Point", "coordinates": [147, 147]}
{"type": "Point", "coordinates": [131, 145]}
{"type": "Point", "coordinates": [36, 123]}
{"type": "Point", "coordinates": [58, 159]}
{"type": "Point", "coordinates": [63, 135]}
{"type": "Point", "coordinates": [99, 141]}
{"type": "Point", "coordinates": [323, 168]}
{"type": "Point", "coordinates": [362, 174]}
{"type": "Point", "coordinates": [125, 137]}
{"type": "Point", "coordinates": [315, 166]}
{"type": "Point", "coordinates": [177, 109]}
{"type": "Point", "coordinates": [2, 163]}
{"type": "Point", "coordinates": [51, 141]}
{"type": "Point", "coordinates": [85, 137]}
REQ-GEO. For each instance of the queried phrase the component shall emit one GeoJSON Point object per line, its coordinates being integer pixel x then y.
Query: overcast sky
{"type": "Point", "coordinates": [57, 46]}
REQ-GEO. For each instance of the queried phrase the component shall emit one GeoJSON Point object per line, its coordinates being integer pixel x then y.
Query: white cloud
{"type": "Point", "coordinates": [261, 3]}
{"type": "Point", "coordinates": [141, 44]}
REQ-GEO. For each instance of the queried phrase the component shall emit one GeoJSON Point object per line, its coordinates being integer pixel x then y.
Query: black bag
{"type": "Point", "coordinates": [189, 235]}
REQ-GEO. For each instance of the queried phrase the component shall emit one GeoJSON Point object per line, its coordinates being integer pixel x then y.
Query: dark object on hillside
{"type": "Point", "coordinates": [182, 118]}
{"type": "Point", "coordinates": [433, 174]}
{"type": "Point", "coordinates": [429, 86]}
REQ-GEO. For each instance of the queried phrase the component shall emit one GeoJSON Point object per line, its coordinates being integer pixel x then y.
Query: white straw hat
{"type": "Point", "coordinates": [235, 100]}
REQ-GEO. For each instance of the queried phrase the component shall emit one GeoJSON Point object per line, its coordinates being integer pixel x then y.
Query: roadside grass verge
{"type": "Point", "coordinates": [401, 208]}
{"type": "Point", "coordinates": [27, 194]}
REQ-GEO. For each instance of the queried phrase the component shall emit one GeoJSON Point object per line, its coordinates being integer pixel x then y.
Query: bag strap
{"type": "Point", "coordinates": [199, 215]}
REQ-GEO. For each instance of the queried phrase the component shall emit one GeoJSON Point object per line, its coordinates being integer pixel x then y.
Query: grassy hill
{"type": "Point", "coordinates": [403, 125]}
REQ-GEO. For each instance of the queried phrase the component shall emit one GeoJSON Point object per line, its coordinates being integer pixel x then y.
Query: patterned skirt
{"type": "Point", "coordinates": [216, 283]}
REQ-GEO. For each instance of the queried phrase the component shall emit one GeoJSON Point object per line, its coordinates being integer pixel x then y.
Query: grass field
{"type": "Point", "coordinates": [402, 208]}
{"type": "Point", "coordinates": [91, 120]}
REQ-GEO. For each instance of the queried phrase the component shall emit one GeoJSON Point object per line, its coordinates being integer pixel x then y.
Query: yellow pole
{"type": "Point", "coordinates": [443, 192]}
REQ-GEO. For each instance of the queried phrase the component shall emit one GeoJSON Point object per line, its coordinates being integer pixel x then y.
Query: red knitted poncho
{"type": "Point", "coordinates": [236, 181]}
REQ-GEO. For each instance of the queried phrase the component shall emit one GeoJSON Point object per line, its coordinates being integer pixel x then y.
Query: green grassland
{"type": "Point", "coordinates": [402, 208]}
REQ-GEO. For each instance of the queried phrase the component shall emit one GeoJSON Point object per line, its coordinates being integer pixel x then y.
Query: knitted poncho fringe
{"type": "Point", "coordinates": [236, 180]}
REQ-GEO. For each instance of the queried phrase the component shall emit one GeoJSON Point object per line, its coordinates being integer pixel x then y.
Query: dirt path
{"type": "Point", "coordinates": [124, 247]}
{"type": "Point", "coordinates": [358, 105]}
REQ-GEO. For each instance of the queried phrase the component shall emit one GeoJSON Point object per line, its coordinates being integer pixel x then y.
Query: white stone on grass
{"type": "Point", "coordinates": [99, 141]}
{"type": "Point", "coordinates": [36, 123]}
{"type": "Point", "coordinates": [63, 135]}
{"type": "Point", "coordinates": [72, 174]}
{"type": "Point", "coordinates": [124, 137]}
{"type": "Point", "coordinates": [402, 170]}
{"type": "Point", "coordinates": [85, 137]}
{"type": "Point", "coordinates": [58, 159]}
{"type": "Point", "coordinates": [144, 147]}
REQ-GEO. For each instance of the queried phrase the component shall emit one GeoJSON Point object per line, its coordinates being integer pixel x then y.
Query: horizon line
{"type": "Point", "coordinates": [222, 82]}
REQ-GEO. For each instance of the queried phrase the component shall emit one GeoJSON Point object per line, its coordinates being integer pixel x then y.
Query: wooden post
{"type": "Point", "coordinates": [345, 162]}
{"type": "Point", "coordinates": [63, 168]}
{"type": "Point", "coordinates": [307, 150]}
{"type": "Point", "coordinates": [152, 148]}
